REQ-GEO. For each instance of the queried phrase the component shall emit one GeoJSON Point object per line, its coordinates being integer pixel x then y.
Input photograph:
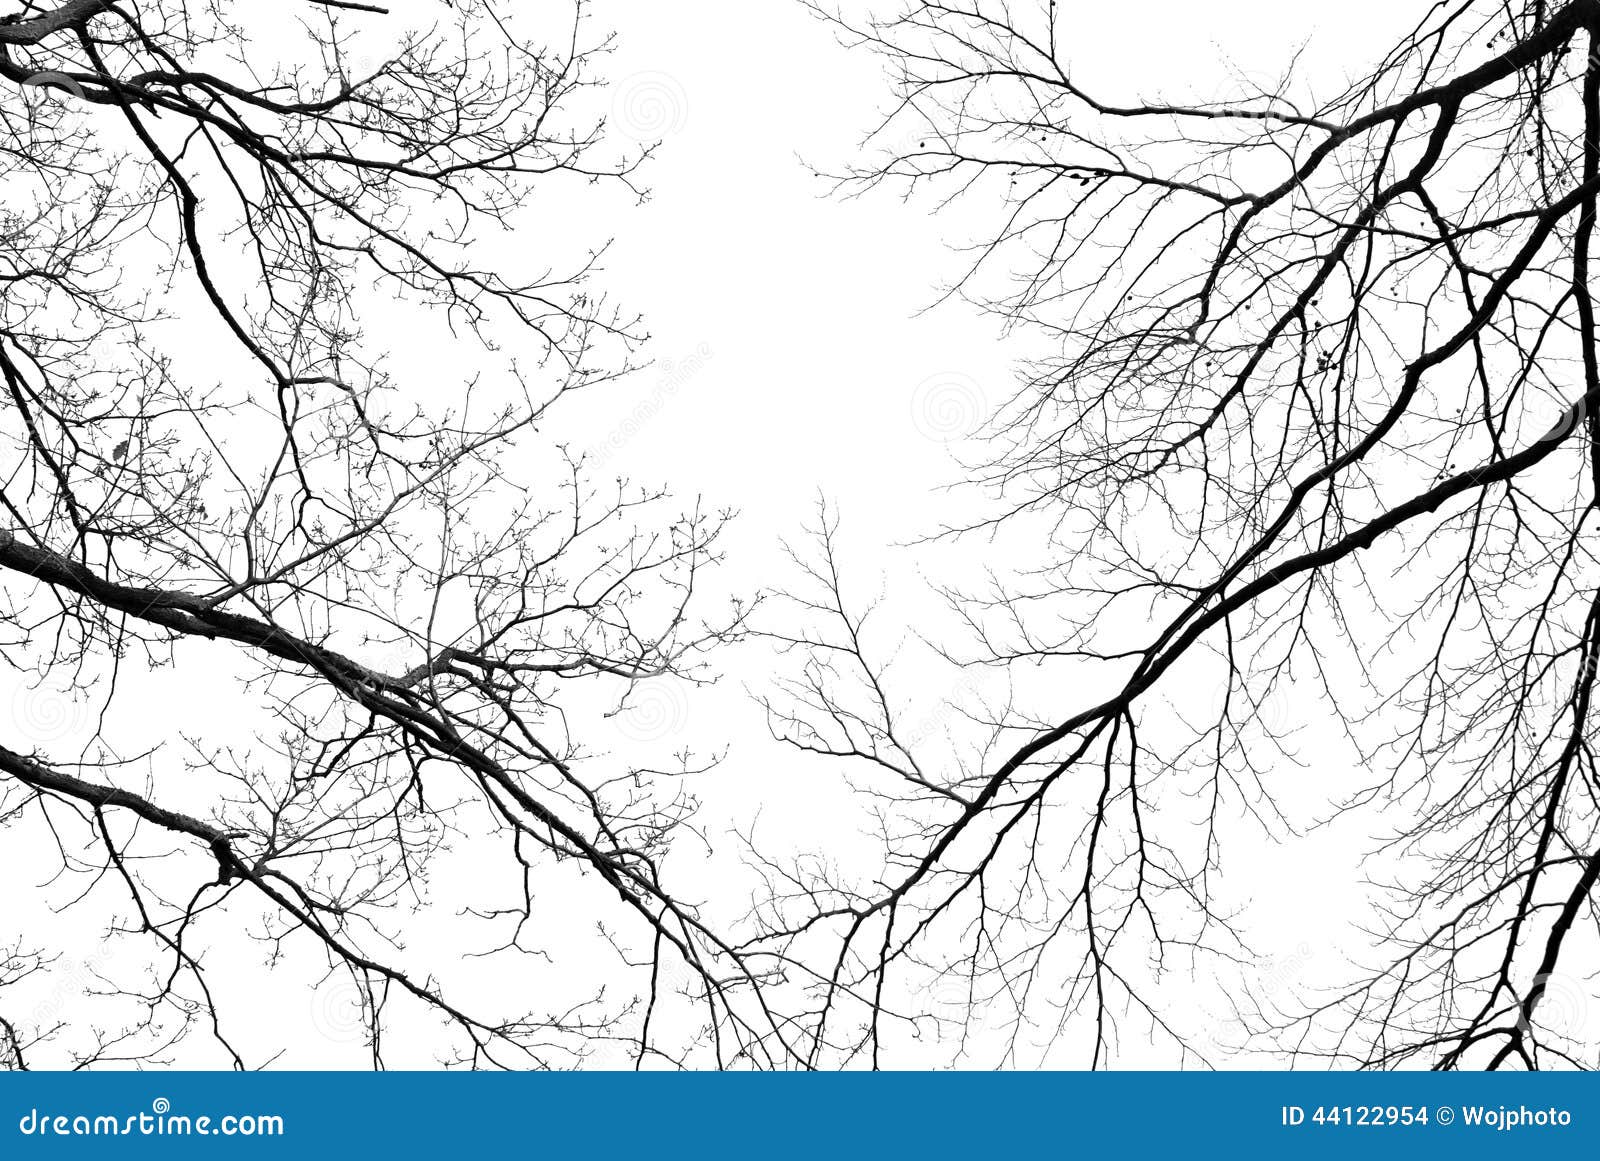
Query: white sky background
{"type": "Point", "coordinates": [799, 363]}
{"type": "Point", "coordinates": [812, 310]}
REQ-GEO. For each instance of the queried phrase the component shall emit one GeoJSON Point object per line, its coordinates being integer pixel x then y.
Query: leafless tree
{"type": "Point", "coordinates": [1314, 425]}
{"type": "Point", "coordinates": [217, 220]}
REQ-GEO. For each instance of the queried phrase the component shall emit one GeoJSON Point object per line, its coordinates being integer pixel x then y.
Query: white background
{"type": "Point", "coordinates": [797, 347]}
